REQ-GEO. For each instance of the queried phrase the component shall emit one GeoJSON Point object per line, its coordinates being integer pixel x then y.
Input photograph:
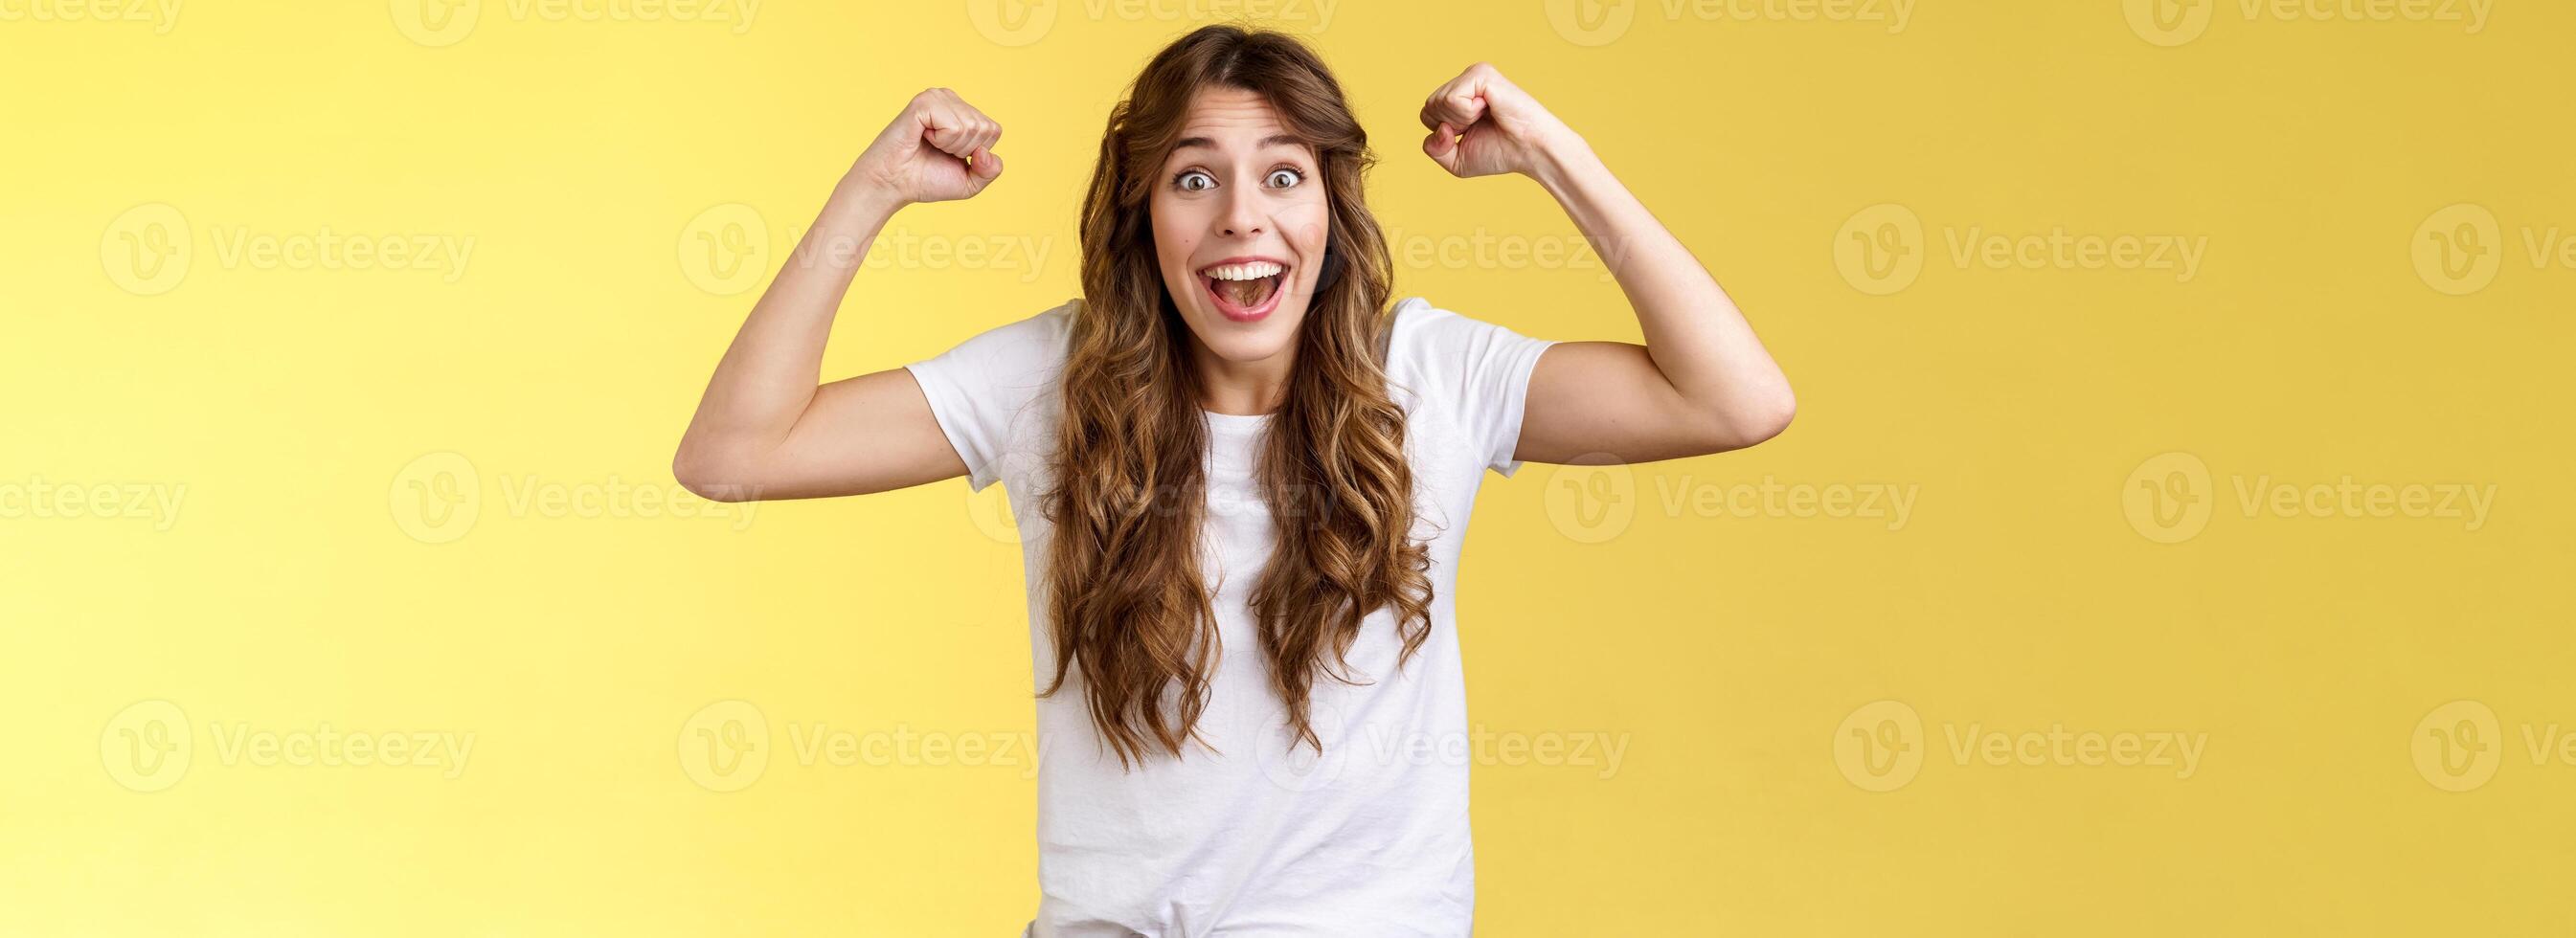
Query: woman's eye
{"type": "Point", "coordinates": [1283, 178]}
{"type": "Point", "coordinates": [1195, 181]}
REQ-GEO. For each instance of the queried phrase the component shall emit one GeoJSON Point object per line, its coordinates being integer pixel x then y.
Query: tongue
{"type": "Point", "coordinates": [1246, 293]}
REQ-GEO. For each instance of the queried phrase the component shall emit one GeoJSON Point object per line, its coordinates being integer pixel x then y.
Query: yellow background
{"type": "Point", "coordinates": [290, 408]}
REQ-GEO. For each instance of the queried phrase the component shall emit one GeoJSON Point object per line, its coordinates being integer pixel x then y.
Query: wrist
{"type": "Point", "coordinates": [1562, 159]}
{"type": "Point", "coordinates": [865, 194]}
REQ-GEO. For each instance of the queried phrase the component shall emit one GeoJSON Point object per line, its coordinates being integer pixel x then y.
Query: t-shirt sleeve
{"type": "Point", "coordinates": [1477, 371]}
{"type": "Point", "coordinates": [982, 389]}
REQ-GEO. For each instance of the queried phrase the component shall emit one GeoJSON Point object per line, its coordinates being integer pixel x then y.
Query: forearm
{"type": "Point", "coordinates": [769, 375]}
{"type": "Point", "coordinates": [1693, 331]}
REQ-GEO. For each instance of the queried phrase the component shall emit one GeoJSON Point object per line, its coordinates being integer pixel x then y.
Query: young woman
{"type": "Point", "coordinates": [1242, 476]}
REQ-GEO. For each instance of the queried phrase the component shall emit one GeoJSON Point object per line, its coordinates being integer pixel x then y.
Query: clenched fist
{"type": "Point", "coordinates": [1482, 124]}
{"type": "Point", "coordinates": [939, 149]}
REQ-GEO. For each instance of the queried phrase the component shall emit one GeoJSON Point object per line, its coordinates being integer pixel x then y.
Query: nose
{"type": "Point", "coordinates": [1241, 217]}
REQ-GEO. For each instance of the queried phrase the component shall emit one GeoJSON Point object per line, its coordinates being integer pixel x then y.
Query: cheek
{"type": "Point", "coordinates": [1175, 237]}
{"type": "Point", "coordinates": [1308, 227]}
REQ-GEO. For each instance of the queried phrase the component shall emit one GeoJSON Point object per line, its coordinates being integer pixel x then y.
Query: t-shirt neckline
{"type": "Point", "coordinates": [1235, 421]}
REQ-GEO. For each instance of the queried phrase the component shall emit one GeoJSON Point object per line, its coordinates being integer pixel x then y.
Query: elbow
{"type": "Point", "coordinates": [707, 477]}
{"type": "Point", "coordinates": [1754, 422]}
{"type": "Point", "coordinates": [1773, 417]}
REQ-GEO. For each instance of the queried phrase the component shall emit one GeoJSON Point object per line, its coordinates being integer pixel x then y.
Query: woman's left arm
{"type": "Point", "coordinates": [1701, 384]}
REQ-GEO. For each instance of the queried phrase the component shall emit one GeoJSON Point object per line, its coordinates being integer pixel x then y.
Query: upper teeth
{"type": "Point", "coordinates": [1252, 271]}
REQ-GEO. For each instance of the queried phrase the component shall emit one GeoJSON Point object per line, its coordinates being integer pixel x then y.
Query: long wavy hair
{"type": "Point", "coordinates": [1129, 608]}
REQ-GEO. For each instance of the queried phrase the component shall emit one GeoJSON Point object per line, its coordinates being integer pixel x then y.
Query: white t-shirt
{"type": "Point", "coordinates": [1256, 838]}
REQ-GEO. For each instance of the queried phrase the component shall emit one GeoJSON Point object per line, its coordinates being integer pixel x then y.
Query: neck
{"type": "Point", "coordinates": [1243, 388]}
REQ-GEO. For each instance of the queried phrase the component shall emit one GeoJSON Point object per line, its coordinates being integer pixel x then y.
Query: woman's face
{"type": "Point", "coordinates": [1240, 222]}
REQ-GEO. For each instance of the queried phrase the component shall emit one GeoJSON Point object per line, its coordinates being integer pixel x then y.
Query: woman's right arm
{"type": "Point", "coordinates": [765, 430]}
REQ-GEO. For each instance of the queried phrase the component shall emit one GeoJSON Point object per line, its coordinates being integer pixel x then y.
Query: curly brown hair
{"type": "Point", "coordinates": [1128, 606]}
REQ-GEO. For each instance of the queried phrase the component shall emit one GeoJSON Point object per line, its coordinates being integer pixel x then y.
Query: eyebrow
{"type": "Point", "coordinates": [1266, 142]}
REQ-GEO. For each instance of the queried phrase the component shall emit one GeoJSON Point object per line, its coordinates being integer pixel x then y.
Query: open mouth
{"type": "Point", "coordinates": [1245, 290]}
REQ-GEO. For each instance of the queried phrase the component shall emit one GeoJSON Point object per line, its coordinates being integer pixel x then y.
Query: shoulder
{"type": "Point", "coordinates": [1000, 370]}
{"type": "Point", "coordinates": [1419, 335]}
{"type": "Point", "coordinates": [991, 392]}
{"type": "Point", "coordinates": [1035, 340]}
{"type": "Point", "coordinates": [1411, 317]}
{"type": "Point", "coordinates": [1429, 344]}
{"type": "Point", "coordinates": [1023, 352]}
